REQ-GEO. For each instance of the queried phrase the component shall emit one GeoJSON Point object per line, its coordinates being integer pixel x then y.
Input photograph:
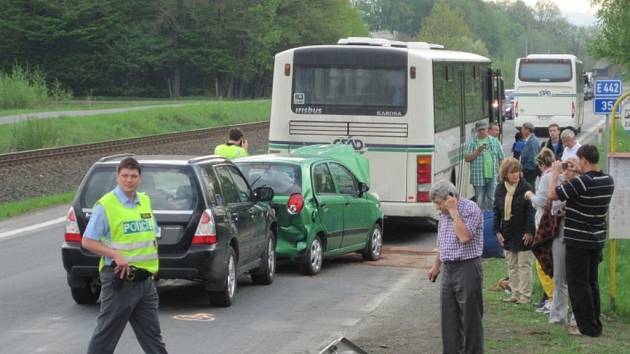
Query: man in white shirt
{"type": "Point", "coordinates": [571, 145]}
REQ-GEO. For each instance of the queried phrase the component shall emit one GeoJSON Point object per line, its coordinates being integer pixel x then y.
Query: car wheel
{"type": "Point", "coordinates": [375, 244]}
{"type": "Point", "coordinates": [313, 258]}
{"type": "Point", "coordinates": [225, 297]}
{"type": "Point", "coordinates": [264, 274]}
{"type": "Point", "coordinates": [86, 295]}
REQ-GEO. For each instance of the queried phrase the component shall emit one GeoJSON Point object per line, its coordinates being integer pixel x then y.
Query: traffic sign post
{"type": "Point", "coordinates": [606, 93]}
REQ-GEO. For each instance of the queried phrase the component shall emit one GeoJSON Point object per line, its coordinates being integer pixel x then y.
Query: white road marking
{"type": "Point", "coordinates": [32, 227]}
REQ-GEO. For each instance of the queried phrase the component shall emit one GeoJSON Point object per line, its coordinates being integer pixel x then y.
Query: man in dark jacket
{"type": "Point", "coordinates": [554, 143]}
{"type": "Point", "coordinates": [528, 156]}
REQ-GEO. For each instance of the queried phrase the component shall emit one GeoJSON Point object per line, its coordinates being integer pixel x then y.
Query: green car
{"type": "Point", "coordinates": [322, 203]}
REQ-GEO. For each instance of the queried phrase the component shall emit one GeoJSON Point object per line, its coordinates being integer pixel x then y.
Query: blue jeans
{"type": "Point", "coordinates": [484, 195]}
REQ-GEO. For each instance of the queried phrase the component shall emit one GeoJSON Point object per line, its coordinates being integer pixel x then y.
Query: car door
{"type": "Point", "coordinates": [256, 222]}
{"type": "Point", "coordinates": [355, 215]}
{"type": "Point", "coordinates": [237, 211]}
{"type": "Point", "coordinates": [330, 205]}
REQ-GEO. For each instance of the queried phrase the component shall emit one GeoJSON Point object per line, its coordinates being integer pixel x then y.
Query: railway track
{"type": "Point", "coordinates": [25, 157]}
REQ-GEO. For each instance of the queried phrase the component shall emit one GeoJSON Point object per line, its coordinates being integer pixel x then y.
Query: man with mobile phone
{"type": "Point", "coordinates": [484, 153]}
{"type": "Point", "coordinates": [236, 146]}
{"type": "Point", "coordinates": [460, 244]}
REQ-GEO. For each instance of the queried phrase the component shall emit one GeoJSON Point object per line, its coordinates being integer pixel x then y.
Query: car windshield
{"type": "Point", "coordinates": [170, 188]}
{"type": "Point", "coordinates": [283, 178]}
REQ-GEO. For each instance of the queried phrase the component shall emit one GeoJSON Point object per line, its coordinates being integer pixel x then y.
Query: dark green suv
{"type": "Point", "coordinates": [323, 207]}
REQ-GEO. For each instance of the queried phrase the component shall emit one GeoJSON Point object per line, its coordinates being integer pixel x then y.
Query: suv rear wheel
{"type": "Point", "coordinates": [86, 295]}
{"type": "Point", "coordinates": [264, 274]}
{"type": "Point", "coordinates": [225, 297]}
{"type": "Point", "coordinates": [313, 258]}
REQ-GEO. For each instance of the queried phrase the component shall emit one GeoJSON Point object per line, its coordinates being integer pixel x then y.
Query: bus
{"type": "Point", "coordinates": [549, 88]}
{"type": "Point", "coordinates": [410, 107]}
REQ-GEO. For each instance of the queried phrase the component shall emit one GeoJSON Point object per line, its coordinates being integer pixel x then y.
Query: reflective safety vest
{"type": "Point", "coordinates": [132, 231]}
{"type": "Point", "coordinates": [230, 151]}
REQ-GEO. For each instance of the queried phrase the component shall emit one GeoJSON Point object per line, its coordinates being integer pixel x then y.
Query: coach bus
{"type": "Point", "coordinates": [549, 88]}
{"type": "Point", "coordinates": [410, 107]}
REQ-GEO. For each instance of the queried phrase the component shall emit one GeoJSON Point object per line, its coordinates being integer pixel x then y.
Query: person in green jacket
{"type": "Point", "coordinates": [235, 147]}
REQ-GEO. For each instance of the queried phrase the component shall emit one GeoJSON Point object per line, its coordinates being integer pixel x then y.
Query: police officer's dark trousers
{"type": "Point", "coordinates": [135, 302]}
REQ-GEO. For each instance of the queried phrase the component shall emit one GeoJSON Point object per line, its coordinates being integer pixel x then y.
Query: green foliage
{"type": "Point", "coordinates": [613, 40]}
{"type": "Point", "coordinates": [33, 134]}
{"type": "Point", "coordinates": [447, 27]}
{"type": "Point", "coordinates": [167, 47]}
{"type": "Point", "coordinates": [22, 89]}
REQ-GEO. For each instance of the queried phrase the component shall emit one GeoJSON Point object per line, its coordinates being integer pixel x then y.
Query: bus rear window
{"type": "Point", "coordinates": [545, 71]}
{"type": "Point", "coordinates": [350, 81]}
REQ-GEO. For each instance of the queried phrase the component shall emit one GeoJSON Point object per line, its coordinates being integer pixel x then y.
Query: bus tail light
{"type": "Point", "coordinates": [573, 109]}
{"type": "Point", "coordinates": [424, 174]}
{"type": "Point", "coordinates": [206, 233]}
{"type": "Point", "coordinates": [287, 69]}
{"type": "Point", "coordinates": [515, 113]}
{"type": "Point", "coordinates": [72, 234]}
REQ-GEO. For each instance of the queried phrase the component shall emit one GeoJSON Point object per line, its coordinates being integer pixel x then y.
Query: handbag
{"type": "Point", "coordinates": [547, 230]}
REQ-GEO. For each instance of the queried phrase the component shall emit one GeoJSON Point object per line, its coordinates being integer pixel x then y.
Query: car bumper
{"type": "Point", "coordinates": [409, 210]}
{"type": "Point", "coordinates": [291, 241]}
{"type": "Point", "coordinates": [198, 263]}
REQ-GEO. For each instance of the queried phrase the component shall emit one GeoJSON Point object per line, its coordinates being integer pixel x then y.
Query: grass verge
{"type": "Point", "coordinates": [102, 127]}
{"type": "Point", "coordinates": [11, 209]}
{"type": "Point", "coordinates": [88, 105]}
{"type": "Point", "coordinates": [511, 328]}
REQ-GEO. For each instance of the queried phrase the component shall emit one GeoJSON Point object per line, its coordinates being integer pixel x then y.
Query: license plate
{"type": "Point", "coordinates": [544, 117]}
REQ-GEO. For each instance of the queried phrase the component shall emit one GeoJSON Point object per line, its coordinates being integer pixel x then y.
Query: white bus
{"type": "Point", "coordinates": [409, 106]}
{"type": "Point", "coordinates": [549, 88]}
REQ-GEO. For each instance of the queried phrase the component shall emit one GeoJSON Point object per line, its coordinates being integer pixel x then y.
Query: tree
{"type": "Point", "coordinates": [613, 40]}
{"type": "Point", "coordinates": [447, 27]}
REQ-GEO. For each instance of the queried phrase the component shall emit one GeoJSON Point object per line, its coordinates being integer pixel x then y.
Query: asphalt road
{"type": "Point", "coordinates": [296, 314]}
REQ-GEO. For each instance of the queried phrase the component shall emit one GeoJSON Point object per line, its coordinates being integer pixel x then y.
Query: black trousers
{"type": "Point", "coordinates": [530, 176]}
{"type": "Point", "coordinates": [462, 307]}
{"type": "Point", "coordinates": [582, 265]}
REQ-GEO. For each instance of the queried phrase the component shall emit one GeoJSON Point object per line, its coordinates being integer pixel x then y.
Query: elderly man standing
{"type": "Point", "coordinates": [460, 244]}
{"type": "Point", "coordinates": [485, 154]}
{"type": "Point", "coordinates": [570, 143]}
{"type": "Point", "coordinates": [528, 156]}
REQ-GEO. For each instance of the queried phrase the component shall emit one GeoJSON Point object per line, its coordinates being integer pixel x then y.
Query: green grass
{"type": "Point", "coordinates": [511, 328]}
{"type": "Point", "coordinates": [87, 105]}
{"type": "Point", "coordinates": [102, 127]}
{"type": "Point", "coordinates": [11, 209]}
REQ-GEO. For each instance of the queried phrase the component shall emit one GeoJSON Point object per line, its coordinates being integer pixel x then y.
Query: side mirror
{"type": "Point", "coordinates": [263, 194]}
{"type": "Point", "coordinates": [363, 188]}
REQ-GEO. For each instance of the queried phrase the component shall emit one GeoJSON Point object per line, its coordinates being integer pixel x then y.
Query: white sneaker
{"type": "Point", "coordinates": [545, 308]}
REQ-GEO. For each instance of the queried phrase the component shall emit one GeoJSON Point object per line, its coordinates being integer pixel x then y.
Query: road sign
{"type": "Point", "coordinates": [608, 88]}
{"type": "Point", "coordinates": [625, 116]}
{"type": "Point", "coordinates": [604, 105]}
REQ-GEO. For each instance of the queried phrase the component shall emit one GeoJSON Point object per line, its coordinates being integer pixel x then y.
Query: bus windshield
{"type": "Point", "coordinates": [356, 84]}
{"type": "Point", "coordinates": [545, 71]}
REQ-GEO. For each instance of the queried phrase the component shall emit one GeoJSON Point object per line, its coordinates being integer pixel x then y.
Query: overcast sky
{"type": "Point", "coordinates": [578, 12]}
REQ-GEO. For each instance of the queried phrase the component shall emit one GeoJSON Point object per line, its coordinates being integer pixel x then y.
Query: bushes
{"type": "Point", "coordinates": [33, 134]}
{"type": "Point", "coordinates": [23, 89]}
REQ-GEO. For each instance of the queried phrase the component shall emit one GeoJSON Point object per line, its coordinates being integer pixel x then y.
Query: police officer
{"type": "Point", "coordinates": [122, 230]}
{"type": "Point", "coordinates": [235, 147]}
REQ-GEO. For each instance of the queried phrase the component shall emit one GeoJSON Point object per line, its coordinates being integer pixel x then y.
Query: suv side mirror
{"type": "Point", "coordinates": [363, 188]}
{"type": "Point", "coordinates": [263, 194]}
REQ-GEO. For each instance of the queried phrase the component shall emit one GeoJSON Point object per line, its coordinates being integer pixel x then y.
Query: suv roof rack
{"type": "Point", "coordinates": [204, 158]}
{"type": "Point", "coordinates": [111, 157]}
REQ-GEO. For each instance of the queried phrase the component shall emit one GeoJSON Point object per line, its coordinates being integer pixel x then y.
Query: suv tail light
{"type": "Point", "coordinates": [424, 174]}
{"type": "Point", "coordinates": [72, 233]}
{"type": "Point", "coordinates": [206, 233]}
{"type": "Point", "coordinates": [295, 203]}
{"type": "Point", "coordinates": [573, 109]}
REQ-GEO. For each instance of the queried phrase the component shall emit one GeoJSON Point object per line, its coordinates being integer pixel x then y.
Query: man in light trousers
{"type": "Point", "coordinates": [460, 244]}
